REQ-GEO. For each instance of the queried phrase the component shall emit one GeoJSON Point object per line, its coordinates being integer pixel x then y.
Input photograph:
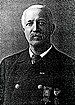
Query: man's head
{"type": "Point", "coordinates": [37, 24]}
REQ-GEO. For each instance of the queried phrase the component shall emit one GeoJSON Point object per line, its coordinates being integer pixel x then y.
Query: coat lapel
{"type": "Point", "coordinates": [21, 66]}
{"type": "Point", "coordinates": [24, 59]}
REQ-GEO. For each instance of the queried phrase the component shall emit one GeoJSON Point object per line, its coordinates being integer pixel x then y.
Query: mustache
{"type": "Point", "coordinates": [36, 34]}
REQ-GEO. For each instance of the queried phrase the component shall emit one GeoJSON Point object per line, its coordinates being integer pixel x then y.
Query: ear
{"type": "Point", "coordinates": [23, 29]}
{"type": "Point", "coordinates": [52, 28]}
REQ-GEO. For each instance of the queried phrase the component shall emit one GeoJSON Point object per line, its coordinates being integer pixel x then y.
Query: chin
{"type": "Point", "coordinates": [35, 43]}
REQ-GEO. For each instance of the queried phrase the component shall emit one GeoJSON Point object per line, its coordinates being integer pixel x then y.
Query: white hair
{"type": "Point", "coordinates": [34, 7]}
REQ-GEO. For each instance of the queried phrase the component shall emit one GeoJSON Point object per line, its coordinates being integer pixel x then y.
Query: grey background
{"type": "Point", "coordinates": [12, 37]}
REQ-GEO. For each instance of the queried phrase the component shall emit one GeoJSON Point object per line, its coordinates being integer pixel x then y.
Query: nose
{"type": "Point", "coordinates": [35, 26]}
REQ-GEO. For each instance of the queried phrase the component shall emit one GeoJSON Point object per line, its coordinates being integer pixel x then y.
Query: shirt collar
{"type": "Point", "coordinates": [43, 54]}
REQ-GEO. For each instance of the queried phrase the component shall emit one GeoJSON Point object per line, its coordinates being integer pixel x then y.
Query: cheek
{"type": "Point", "coordinates": [27, 31]}
{"type": "Point", "coordinates": [27, 34]}
{"type": "Point", "coordinates": [45, 30]}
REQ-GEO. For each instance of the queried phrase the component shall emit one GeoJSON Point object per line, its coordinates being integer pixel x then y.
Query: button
{"type": "Point", "coordinates": [17, 86]}
{"type": "Point", "coordinates": [47, 91]}
{"type": "Point", "coordinates": [56, 91]}
{"type": "Point", "coordinates": [42, 73]}
{"type": "Point", "coordinates": [39, 86]}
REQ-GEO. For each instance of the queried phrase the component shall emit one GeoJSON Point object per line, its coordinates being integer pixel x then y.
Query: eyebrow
{"type": "Point", "coordinates": [30, 21]}
{"type": "Point", "coordinates": [37, 19]}
{"type": "Point", "coordinates": [42, 19]}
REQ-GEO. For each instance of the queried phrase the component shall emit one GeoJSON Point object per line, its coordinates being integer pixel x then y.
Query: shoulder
{"type": "Point", "coordinates": [63, 57]}
{"type": "Point", "coordinates": [8, 61]}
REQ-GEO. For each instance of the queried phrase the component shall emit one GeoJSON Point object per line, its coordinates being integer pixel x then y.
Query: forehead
{"type": "Point", "coordinates": [36, 13]}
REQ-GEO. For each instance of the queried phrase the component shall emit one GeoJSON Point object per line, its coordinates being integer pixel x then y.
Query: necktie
{"type": "Point", "coordinates": [35, 58]}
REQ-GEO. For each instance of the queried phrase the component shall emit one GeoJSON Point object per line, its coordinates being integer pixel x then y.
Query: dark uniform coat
{"type": "Point", "coordinates": [27, 84]}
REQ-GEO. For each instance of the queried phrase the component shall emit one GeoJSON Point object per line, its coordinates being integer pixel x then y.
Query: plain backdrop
{"type": "Point", "coordinates": [12, 38]}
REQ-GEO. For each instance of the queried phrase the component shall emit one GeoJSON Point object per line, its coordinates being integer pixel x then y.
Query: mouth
{"type": "Point", "coordinates": [36, 37]}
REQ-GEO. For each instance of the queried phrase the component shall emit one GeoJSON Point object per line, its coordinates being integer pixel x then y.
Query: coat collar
{"type": "Point", "coordinates": [25, 57]}
{"type": "Point", "coordinates": [43, 54]}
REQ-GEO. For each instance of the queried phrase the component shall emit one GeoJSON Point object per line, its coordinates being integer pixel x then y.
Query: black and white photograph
{"type": "Point", "coordinates": [37, 52]}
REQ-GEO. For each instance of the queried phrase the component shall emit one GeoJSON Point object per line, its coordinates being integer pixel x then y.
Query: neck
{"type": "Point", "coordinates": [37, 50]}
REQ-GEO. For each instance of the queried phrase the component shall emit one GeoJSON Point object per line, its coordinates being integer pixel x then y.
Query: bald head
{"type": "Point", "coordinates": [35, 7]}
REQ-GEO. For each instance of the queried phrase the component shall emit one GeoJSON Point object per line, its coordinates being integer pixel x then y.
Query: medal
{"type": "Point", "coordinates": [50, 95]}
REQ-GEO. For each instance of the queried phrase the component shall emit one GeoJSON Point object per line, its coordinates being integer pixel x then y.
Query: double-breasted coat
{"type": "Point", "coordinates": [27, 84]}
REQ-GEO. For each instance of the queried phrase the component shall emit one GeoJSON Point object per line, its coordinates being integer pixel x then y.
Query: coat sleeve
{"type": "Point", "coordinates": [4, 72]}
{"type": "Point", "coordinates": [2, 80]}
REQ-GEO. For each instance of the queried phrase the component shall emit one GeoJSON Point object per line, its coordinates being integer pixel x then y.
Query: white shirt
{"type": "Point", "coordinates": [43, 54]}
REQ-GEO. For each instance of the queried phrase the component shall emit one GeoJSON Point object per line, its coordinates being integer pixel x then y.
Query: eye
{"type": "Point", "coordinates": [29, 24]}
{"type": "Point", "coordinates": [41, 23]}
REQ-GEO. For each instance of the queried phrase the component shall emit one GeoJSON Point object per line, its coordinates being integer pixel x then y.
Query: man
{"type": "Point", "coordinates": [49, 79]}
